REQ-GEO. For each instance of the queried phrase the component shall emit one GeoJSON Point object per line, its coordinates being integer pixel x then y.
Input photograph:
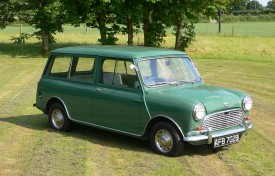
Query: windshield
{"type": "Point", "coordinates": [172, 70]}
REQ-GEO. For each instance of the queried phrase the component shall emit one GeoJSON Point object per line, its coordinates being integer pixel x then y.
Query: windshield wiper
{"type": "Point", "coordinates": [186, 81]}
{"type": "Point", "coordinates": [174, 83]}
{"type": "Point", "coordinates": [160, 83]}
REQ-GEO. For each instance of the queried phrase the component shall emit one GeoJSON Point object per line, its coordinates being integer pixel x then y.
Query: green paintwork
{"type": "Point", "coordinates": [117, 51]}
{"type": "Point", "coordinates": [178, 101]}
{"type": "Point", "coordinates": [127, 110]}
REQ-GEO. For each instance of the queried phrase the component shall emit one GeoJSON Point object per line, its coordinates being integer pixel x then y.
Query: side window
{"type": "Point", "coordinates": [108, 66]}
{"type": "Point", "coordinates": [85, 64]}
{"type": "Point", "coordinates": [60, 67]}
{"type": "Point", "coordinates": [82, 69]}
{"type": "Point", "coordinates": [118, 73]}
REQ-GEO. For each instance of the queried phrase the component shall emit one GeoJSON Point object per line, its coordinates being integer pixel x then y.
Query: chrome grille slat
{"type": "Point", "coordinates": [223, 119]}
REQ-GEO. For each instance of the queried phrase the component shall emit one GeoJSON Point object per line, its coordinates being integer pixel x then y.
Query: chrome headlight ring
{"type": "Point", "coordinates": [247, 103]}
{"type": "Point", "coordinates": [199, 111]}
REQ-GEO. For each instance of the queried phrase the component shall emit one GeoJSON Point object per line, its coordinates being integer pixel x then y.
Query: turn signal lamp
{"type": "Point", "coordinates": [198, 128]}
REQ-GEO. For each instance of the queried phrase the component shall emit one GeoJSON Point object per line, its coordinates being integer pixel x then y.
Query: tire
{"type": "Point", "coordinates": [166, 140]}
{"type": "Point", "coordinates": [58, 118]}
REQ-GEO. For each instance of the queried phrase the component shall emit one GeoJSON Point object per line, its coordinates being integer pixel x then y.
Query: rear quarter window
{"type": "Point", "coordinates": [82, 69]}
{"type": "Point", "coordinates": [59, 67]}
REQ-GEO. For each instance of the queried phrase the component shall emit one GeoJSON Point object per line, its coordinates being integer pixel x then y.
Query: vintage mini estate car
{"type": "Point", "coordinates": [150, 93]}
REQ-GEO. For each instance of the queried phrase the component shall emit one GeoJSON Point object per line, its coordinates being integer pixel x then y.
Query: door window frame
{"type": "Point", "coordinates": [100, 62]}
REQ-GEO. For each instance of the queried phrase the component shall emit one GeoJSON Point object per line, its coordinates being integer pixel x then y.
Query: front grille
{"type": "Point", "coordinates": [223, 119]}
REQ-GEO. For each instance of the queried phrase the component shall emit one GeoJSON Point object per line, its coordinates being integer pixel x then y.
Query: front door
{"type": "Point", "coordinates": [117, 97]}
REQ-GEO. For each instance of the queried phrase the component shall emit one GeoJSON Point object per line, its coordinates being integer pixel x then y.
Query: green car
{"type": "Point", "coordinates": [150, 93]}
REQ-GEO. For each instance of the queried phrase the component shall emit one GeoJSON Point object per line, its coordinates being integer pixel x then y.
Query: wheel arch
{"type": "Point", "coordinates": [52, 101]}
{"type": "Point", "coordinates": [157, 119]}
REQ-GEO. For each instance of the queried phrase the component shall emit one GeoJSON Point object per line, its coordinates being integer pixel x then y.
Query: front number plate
{"type": "Point", "coordinates": [226, 140]}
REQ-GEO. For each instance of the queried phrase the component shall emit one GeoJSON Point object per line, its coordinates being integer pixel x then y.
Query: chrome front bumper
{"type": "Point", "coordinates": [208, 135]}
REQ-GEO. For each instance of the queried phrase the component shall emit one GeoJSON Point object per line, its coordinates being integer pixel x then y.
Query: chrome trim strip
{"type": "Point", "coordinates": [166, 118]}
{"type": "Point", "coordinates": [106, 128]}
{"type": "Point", "coordinates": [145, 103]}
{"type": "Point", "coordinates": [210, 135]}
{"type": "Point", "coordinates": [195, 136]}
{"type": "Point", "coordinates": [58, 99]}
{"type": "Point", "coordinates": [247, 123]}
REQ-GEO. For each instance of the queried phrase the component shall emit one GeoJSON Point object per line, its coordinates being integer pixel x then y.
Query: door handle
{"type": "Point", "coordinates": [137, 100]}
{"type": "Point", "coordinates": [98, 90]}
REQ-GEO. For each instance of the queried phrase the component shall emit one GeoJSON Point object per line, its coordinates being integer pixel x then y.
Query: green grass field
{"type": "Point", "coordinates": [29, 147]}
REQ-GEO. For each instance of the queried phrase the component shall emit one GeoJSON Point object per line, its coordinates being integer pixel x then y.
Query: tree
{"type": "Point", "coordinates": [128, 16]}
{"type": "Point", "coordinates": [7, 12]}
{"type": "Point", "coordinates": [103, 15]}
{"type": "Point", "coordinates": [154, 13]}
{"type": "Point", "coordinates": [271, 5]}
{"type": "Point", "coordinates": [253, 5]}
{"type": "Point", "coordinates": [45, 15]}
{"type": "Point", "coordinates": [96, 14]}
{"type": "Point", "coordinates": [238, 5]}
{"type": "Point", "coordinates": [184, 13]}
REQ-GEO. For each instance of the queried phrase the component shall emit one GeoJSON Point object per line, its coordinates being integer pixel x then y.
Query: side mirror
{"type": "Point", "coordinates": [195, 64]}
{"type": "Point", "coordinates": [133, 67]}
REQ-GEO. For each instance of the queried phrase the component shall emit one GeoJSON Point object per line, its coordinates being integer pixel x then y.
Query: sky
{"type": "Point", "coordinates": [263, 2]}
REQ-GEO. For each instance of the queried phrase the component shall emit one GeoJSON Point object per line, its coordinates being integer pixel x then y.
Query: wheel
{"type": "Point", "coordinates": [58, 118]}
{"type": "Point", "coordinates": [166, 140]}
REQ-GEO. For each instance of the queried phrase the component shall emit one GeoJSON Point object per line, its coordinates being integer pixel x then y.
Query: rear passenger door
{"type": "Point", "coordinates": [117, 96]}
{"type": "Point", "coordinates": [81, 79]}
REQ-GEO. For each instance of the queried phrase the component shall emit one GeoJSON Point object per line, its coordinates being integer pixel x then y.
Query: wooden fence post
{"type": "Point", "coordinates": [20, 29]}
{"type": "Point", "coordinates": [220, 20]}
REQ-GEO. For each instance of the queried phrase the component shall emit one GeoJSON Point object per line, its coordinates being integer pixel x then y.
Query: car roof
{"type": "Point", "coordinates": [119, 51]}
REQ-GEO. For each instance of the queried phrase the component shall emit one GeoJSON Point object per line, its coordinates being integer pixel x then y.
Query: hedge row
{"type": "Point", "coordinates": [253, 12]}
{"type": "Point", "coordinates": [248, 18]}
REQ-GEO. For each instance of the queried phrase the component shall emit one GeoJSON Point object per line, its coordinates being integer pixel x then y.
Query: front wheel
{"type": "Point", "coordinates": [166, 140]}
{"type": "Point", "coordinates": [58, 118]}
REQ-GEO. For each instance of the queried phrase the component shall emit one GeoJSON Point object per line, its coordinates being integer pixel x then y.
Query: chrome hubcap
{"type": "Point", "coordinates": [164, 141]}
{"type": "Point", "coordinates": [57, 119]}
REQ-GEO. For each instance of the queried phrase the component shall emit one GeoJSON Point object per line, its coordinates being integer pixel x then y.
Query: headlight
{"type": "Point", "coordinates": [247, 103]}
{"type": "Point", "coordinates": [199, 111]}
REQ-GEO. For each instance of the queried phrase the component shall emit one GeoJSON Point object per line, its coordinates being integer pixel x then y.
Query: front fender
{"type": "Point", "coordinates": [178, 110]}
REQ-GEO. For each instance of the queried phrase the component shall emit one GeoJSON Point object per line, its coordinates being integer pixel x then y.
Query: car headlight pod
{"type": "Point", "coordinates": [199, 111]}
{"type": "Point", "coordinates": [247, 103]}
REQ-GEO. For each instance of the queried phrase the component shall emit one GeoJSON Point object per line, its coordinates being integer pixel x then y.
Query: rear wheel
{"type": "Point", "coordinates": [58, 118]}
{"type": "Point", "coordinates": [166, 140]}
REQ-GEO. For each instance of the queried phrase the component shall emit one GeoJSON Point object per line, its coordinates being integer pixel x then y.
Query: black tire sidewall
{"type": "Point", "coordinates": [67, 123]}
{"type": "Point", "coordinates": [178, 145]}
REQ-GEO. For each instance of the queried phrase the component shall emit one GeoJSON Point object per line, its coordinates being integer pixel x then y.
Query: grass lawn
{"type": "Point", "coordinates": [29, 147]}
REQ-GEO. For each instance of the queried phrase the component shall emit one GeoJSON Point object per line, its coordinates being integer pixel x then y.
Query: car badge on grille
{"type": "Point", "coordinates": [226, 104]}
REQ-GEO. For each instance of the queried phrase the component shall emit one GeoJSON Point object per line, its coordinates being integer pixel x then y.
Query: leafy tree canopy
{"type": "Point", "coordinates": [271, 5]}
{"type": "Point", "coordinates": [7, 12]}
{"type": "Point", "coordinates": [238, 5]}
{"type": "Point", "coordinates": [253, 5]}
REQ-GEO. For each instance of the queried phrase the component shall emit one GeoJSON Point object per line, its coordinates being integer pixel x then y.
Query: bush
{"type": "Point", "coordinates": [248, 18]}
{"type": "Point", "coordinates": [21, 39]}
